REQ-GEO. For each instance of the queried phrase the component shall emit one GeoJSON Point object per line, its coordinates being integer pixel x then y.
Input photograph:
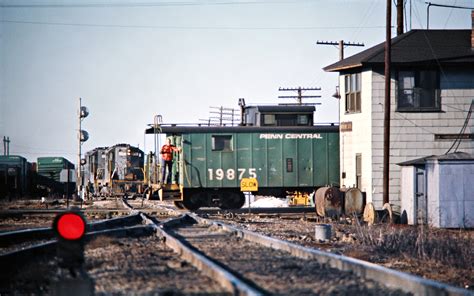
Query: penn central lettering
{"type": "Point", "coordinates": [290, 136]}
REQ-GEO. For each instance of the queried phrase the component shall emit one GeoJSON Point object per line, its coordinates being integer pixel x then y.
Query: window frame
{"type": "Point", "coordinates": [353, 93]}
{"type": "Point", "coordinates": [302, 117]}
{"type": "Point", "coordinates": [225, 148]}
{"type": "Point", "coordinates": [271, 122]}
{"type": "Point", "coordinates": [436, 91]}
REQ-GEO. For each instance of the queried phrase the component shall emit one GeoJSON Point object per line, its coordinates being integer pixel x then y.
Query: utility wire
{"type": "Point", "coordinates": [458, 140]}
{"type": "Point", "coordinates": [181, 27]}
{"type": "Point", "coordinates": [145, 4]}
{"type": "Point", "coordinates": [443, 73]}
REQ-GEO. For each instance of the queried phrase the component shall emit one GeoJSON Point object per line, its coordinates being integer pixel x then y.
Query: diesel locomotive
{"type": "Point", "coordinates": [277, 145]}
{"type": "Point", "coordinates": [115, 170]}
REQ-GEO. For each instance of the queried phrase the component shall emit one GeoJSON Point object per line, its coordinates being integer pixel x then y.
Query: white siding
{"type": "Point", "coordinates": [359, 140]}
{"type": "Point", "coordinates": [450, 194]}
{"type": "Point", "coordinates": [412, 134]}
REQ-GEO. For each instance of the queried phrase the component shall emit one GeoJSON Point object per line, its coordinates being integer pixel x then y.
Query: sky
{"type": "Point", "coordinates": [131, 60]}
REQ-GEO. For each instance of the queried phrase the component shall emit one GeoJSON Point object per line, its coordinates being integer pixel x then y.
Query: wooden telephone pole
{"type": "Point", "coordinates": [341, 45]}
{"type": "Point", "coordinates": [386, 119]}
{"type": "Point", "coordinates": [299, 98]}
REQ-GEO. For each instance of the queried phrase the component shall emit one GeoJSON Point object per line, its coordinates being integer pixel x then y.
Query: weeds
{"type": "Point", "coordinates": [446, 247]}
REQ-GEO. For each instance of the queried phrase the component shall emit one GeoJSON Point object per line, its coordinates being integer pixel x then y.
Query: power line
{"type": "Point", "coordinates": [178, 27]}
{"type": "Point", "coordinates": [145, 4]}
{"type": "Point", "coordinates": [458, 140]}
{"type": "Point", "coordinates": [440, 5]}
{"type": "Point", "coordinates": [442, 72]}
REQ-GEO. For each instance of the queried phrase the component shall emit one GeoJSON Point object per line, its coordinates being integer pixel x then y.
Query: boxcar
{"type": "Point", "coordinates": [51, 167]}
{"type": "Point", "coordinates": [15, 176]}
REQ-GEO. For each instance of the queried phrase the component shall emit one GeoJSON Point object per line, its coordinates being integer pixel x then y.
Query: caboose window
{"type": "Point", "coordinates": [302, 120]}
{"type": "Point", "coordinates": [269, 119]}
{"type": "Point", "coordinates": [222, 143]}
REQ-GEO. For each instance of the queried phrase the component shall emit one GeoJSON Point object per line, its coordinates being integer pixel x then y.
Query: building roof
{"type": "Point", "coordinates": [284, 108]}
{"type": "Point", "coordinates": [455, 156]}
{"type": "Point", "coordinates": [413, 47]}
{"type": "Point", "coordinates": [177, 129]}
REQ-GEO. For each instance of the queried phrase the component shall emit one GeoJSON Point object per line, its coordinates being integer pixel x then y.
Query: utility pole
{"type": "Point", "coordinates": [341, 45]}
{"type": "Point", "coordinates": [399, 17]}
{"type": "Point", "coordinates": [6, 145]}
{"type": "Point", "coordinates": [299, 98]}
{"type": "Point", "coordinates": [386, 121]}
{"type": "Point", "coordinates": [82, 136]}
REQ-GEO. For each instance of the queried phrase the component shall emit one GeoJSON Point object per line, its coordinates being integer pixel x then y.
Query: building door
{"type": "Point", "coordinates": [359, 171]}
{"type": "Point", "coordinates": [421, 204]}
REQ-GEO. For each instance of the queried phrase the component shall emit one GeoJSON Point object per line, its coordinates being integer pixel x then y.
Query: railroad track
{"type": "Point", "coordinates": [141, 253]}
{"type": "Point", "coordinates": [248, 263]}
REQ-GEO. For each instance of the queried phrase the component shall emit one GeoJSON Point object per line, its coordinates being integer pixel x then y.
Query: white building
{"type": "Point", "coordinates": [432, 87]}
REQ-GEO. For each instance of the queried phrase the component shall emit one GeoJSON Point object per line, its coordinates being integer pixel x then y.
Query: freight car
{"type": "Point", "coordinates": [116, 170]}
{"type": "Point", "coordinates": [277, 145]}
{"type": "Point", "coordinates": [20, 178]}
{"type": "Point", "coordinates": [15, 176]}
{"type": "Point", "coordinates": [48, 178]}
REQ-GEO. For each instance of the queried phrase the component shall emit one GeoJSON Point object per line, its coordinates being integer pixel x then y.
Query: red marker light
{"type": "Point", "coordinates": [71, 226]}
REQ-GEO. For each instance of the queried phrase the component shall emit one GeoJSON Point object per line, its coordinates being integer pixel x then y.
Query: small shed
{"type": "Point", "coordinates": [439, 190]}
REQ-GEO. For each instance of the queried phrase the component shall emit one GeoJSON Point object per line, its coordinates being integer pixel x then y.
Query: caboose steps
{"type": "Point", "coordinates": [169, 192]}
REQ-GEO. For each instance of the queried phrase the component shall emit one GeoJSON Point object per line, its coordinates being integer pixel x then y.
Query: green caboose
{"type": "Point", "coordinates": [213, 160]}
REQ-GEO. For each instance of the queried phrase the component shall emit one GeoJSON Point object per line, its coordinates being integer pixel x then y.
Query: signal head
{"type": "Point", "coordinates": [70, 226]}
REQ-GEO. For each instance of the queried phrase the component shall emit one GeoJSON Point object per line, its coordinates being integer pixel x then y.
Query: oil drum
{"type": "Point", "coordinates": [328, 202]}
{"type": "Point", "coordinates": [353, 201]}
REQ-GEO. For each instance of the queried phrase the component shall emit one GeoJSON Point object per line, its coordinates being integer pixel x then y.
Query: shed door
{"type": "Point", "coordinates": [421, 203]}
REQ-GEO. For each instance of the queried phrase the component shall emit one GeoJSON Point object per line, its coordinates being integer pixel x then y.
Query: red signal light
{"type": "Point", "coordinates": [71, 226]}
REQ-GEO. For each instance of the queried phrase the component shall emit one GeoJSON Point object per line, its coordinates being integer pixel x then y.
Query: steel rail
{"type": "Point", "coordinates": [18, 236]}
{"type": "Point", "coordinates": [17, 258]}
{"type": "Point", "coordinates": [385, 276]}
{"type": "Point", "coordinates": [167, 209]}
{"type": "Point", "coordinates": [208, 267]}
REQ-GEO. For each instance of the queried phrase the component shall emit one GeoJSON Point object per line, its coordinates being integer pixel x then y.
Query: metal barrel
{"type": "Point", "coordinates": [353, 201]}
{"type": "Point", "coordinates": [322, 232]}
{"type": "Point", "coordinates": [328, 202]}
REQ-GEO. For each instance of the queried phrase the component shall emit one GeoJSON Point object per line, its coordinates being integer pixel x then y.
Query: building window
{"type": "Point", "coordinates": [353, 90]}
{"type": "Point", "coordinates": [222, 143]}
{"type": "Point", "coordinates": [418, 91]}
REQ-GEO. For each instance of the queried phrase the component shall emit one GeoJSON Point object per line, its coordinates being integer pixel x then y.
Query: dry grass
{"type": "Point", "coordinates": [453, 248]}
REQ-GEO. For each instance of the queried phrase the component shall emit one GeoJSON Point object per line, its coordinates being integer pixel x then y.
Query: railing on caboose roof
{"type": "Point", "coordinates": [236, 125]}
